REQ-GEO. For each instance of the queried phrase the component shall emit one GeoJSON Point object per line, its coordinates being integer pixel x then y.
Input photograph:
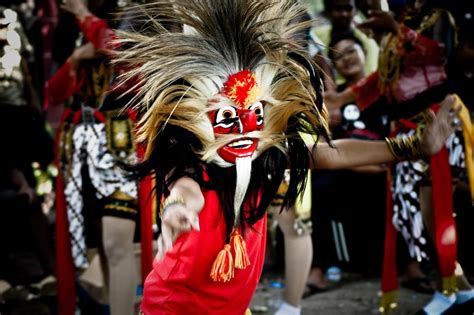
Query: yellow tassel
{"type": "Point", "coordinates": [240, 250]}
{"type": "Point", "coordinates": [388, 301]}
{"type": "Point", "coordinates": [223, 266]}
{"type": "Point", "coordinates": [468, 133]}
{"type": "Point", "coordinates": [449, 285]}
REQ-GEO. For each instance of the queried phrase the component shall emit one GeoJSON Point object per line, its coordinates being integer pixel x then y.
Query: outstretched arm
{"type": "Point", "coordinates": [95, 30]}
{"type": "Point", "coordinates": [180, 212]}
{"type": "Point", "coordinates": [348, 153]}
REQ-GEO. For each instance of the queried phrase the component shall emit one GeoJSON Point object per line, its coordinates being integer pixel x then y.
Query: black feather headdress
{"type": "Point", "coordinates": [182, 76]}
{"type": "Point", "coordinates": [182, 71]}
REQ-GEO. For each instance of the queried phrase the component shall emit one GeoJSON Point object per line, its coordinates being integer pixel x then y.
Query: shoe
{"type": "Point", "coordinates": [4, 286]}
{"type": "Point", "coordinates": [440, 305]}
{"type": "Point", "coordinates": [466, 308]}
{"type": "Point", "coordinates": [46, 287]}
{"type": "Point", "coordinates": [420, 285]}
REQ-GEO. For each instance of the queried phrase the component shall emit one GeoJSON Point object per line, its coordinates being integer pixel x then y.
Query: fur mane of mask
{"type": "Point", "coordinates": [181, 72]}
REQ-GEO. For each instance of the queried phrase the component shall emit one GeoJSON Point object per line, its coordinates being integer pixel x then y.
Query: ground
{"type": "Point", "coordinates": [353, 296]}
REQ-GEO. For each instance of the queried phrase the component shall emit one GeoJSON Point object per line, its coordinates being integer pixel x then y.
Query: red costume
{"type": "Point", "coordinates": [229, 98]}
{"type": "Point", "coordinates": [180, 284]}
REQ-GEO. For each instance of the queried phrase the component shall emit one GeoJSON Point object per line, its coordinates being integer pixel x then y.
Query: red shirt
{"type": "Point", "coordinates": [181, 282]}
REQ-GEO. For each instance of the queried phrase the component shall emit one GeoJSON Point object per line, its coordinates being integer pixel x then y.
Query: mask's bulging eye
{"type": "Point", "coordinates": [258, 110]}
{"type": "Point", "coordinates": [225, 117]}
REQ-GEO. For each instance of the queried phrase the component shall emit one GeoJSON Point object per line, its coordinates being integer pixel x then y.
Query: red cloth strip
{"type": "Point", "coordinates": [65, 271]}
{"type": "Point", "coordinates": [445, 227]}
{"type": "Point", "coordinates": [146, 200]}
{"type": "Point", "coordinates": [146, 218]}
{"type": "Point", "coordinates": [389, 271]}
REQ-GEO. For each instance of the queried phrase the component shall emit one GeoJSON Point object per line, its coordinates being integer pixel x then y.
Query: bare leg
{"type": "Point", "coordinates": [298, 257]}
{"type": "Point", "coordinates": [117, 235]}
{"type": "Point", "coordinates": [426, 207]}
{"type": "Point", "coordinates": [413, 270]}
{"type": "Point", "coordinates": [317, 278]}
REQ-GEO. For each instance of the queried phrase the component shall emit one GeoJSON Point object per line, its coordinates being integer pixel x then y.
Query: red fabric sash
{"type": "Point", "coordinates": [444, 223]}
{"type": "Point", "coordinates": [65, 271]}
{"type": "Point", "coordinates": [146, 221]}
{"type": "Point", "coordinates": [389, 270]}
{"type": "Point", "coordinates": [146, 202]}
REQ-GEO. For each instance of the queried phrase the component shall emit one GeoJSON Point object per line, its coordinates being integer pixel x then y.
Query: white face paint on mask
{"type": "Point", "coordinates": [243, 170]}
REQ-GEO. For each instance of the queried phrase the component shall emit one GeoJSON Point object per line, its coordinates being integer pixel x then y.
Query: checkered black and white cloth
{"type": "Point", "coordinates": [407, 216]}
{"type": "Point", "coordinates": [90, 146]}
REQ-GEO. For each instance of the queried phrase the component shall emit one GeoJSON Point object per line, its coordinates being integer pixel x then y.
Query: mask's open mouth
{"type": "Point", "coordinates": [241, 144]}
{"type": "Point", "coordinates": [239, 148]}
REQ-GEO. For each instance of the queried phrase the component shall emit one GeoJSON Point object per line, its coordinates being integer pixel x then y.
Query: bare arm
{"type": "Point", "coordinates": [348, 153]}
{"type": "Point", "coordinates": [94, 29]}
{"type": "Point", "coordinates": [76, 7]}
{"type": "Point", "coordinates": [370, 169]}
{"type": "Point", "coordinates": [190, 191]}
{"type": "Point", "coordinates": [180, 213]}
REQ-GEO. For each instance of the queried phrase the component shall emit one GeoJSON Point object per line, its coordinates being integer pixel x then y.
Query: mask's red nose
{"type": "Point", "coordinates": [248, 119]}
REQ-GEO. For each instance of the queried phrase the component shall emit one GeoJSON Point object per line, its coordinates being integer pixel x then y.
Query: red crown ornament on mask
{"type": "Point", "coordinates": [241, 88]}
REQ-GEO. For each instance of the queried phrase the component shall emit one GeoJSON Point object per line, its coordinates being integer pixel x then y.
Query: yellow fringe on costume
{"type": "Point", "coordinates": [223, 267]}
{"type": "Point", "coordinates": [232, 256]}
{"type": "Point", "coordinates": [388, 301]}
{"type": "Point", "coordinates": [449, 285]}
{"type": "Point", "coordinates": [304, 200]}
{"type": "Point", "coordinates": [241, 258]}
{"type": "Point", "coordinates": [468, 133]}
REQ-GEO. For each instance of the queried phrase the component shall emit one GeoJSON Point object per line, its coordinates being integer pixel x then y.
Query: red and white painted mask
{"type": "Point", "coordinates": [242, 116]}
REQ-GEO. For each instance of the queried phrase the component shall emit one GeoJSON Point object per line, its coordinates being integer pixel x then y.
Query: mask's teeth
{"type": "Point", "coordinates": [241, 143]}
